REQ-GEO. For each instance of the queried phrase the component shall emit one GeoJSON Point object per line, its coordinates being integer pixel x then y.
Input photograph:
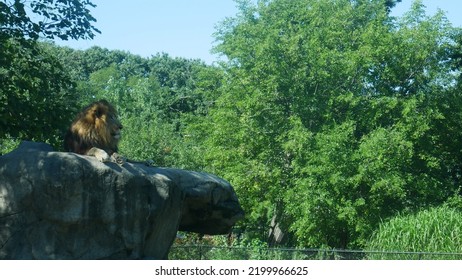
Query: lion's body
{"type": "Point", "coordinates": [96, 131]}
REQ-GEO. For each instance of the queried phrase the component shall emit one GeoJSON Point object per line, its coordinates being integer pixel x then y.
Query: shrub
{"type": "Point", "coordinates": [430, 234]}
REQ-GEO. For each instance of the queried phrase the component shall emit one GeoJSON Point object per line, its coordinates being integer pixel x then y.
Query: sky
{"type": "Point", "coordinates": [184, 28]}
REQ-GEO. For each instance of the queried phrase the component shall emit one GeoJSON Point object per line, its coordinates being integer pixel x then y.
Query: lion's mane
{"type": "Point", "coordinates": [97, 126]}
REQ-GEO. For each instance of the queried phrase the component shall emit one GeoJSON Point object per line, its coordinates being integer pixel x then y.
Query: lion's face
{"type": "Point", "coordinates": [97, 126]}
{"type": "Point", "coordinates": [107, 124]}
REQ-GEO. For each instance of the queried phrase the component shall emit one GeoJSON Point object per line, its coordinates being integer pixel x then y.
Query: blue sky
{"type": "Point", "coordinates": [184, 28]}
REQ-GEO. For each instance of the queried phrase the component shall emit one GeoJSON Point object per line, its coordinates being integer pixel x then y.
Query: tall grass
{"type": "Point", "coordinates": [437, 230]}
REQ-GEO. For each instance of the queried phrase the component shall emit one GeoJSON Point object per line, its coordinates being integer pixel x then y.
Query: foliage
{"type": "Point", "coordinates": [330, 116]}
{"type": "Point", "coordinates": [36, 94]}
{"type": "Point", "coordinates": [7, 145]}
{"type": "Point", "coordinates": [49, 18]}
{"type": "Point", "coordinates": [433, 230]}
{"type": "Point", "coordinates": [220, 248]}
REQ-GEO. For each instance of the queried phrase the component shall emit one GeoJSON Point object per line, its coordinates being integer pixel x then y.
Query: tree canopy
{"type": "Point", "coordinates": [334, 116]}
{"type": "Point", "coordinates": [65, 19]}
{"type": "Point", "coordinates": [36, 95]}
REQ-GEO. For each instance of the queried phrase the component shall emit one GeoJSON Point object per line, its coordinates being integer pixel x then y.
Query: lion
{"type": "Point", "coordinates": [96, 131]}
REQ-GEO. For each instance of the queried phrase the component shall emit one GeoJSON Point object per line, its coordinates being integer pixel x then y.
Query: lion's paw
{"type": "Point", "coordinates": [99, 154]}
{"type": "Point", "coordinates": [102, 156]}
{"type": "Point", "coordinates": [120, 160]}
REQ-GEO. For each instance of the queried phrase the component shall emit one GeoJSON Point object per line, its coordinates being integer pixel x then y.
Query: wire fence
{"type": "Point", "coordinates": [207, 252]}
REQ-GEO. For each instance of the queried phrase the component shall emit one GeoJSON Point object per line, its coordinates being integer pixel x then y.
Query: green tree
{"type": "Point", "coordinates": [65, 19]}
{"type": "Point", "coordinates": [328, 120]}
{"type": "Point", "coordinates": [36, 94]}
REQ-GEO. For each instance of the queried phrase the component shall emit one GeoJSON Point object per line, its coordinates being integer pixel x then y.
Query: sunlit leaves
{"type": "Point", "coordinates": [335, 99]}
{"type": "Point", "coordinates": [64, 19]}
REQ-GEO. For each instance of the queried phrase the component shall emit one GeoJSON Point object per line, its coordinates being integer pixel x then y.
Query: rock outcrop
{"type": "Point", "coordinates": [56, 205]}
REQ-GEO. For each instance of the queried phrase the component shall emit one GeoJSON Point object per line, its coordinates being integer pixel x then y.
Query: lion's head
{"type": "Point", "coordinates": [96, 126]}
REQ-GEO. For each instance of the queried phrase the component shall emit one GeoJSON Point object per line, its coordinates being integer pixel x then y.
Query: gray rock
{"type": "Point", "coordinates": [56, 205]}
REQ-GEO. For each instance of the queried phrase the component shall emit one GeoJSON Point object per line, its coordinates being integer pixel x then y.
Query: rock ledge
{"type": "Point", "coordinates": [56, 205]}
